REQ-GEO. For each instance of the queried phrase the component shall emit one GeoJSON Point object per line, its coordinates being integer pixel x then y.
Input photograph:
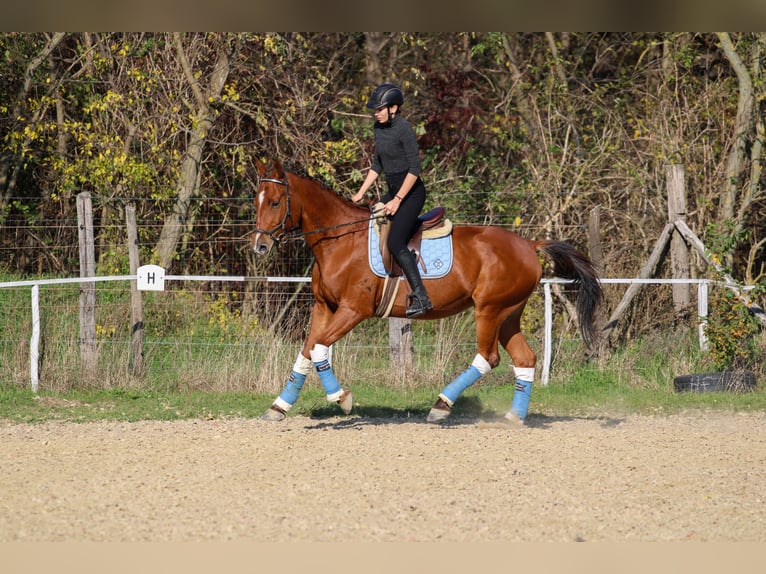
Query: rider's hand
{"type": "Point", "coordinates": [391, 207]}
{"type": "Point", "coordinates": [358, 197]}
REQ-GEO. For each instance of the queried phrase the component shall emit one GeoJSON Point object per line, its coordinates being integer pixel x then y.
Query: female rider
{"type": "Point", "coordinates": [396, 155]}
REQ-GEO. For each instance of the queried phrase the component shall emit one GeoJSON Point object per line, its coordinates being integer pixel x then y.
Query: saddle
{"type": "Point", "coordinates": [433, 225]}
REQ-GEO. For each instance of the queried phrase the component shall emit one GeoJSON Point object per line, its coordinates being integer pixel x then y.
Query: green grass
{"type": "Point", "coordinates": [586, 396]}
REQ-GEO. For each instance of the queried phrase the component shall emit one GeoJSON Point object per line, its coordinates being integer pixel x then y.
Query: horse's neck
{"type": "Point", "coordinates": [323, 209]}
{"type": "Point", "coordinates": [329, 213]}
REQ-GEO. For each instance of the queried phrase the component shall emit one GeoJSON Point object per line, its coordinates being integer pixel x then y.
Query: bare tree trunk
{"type": "Point", "coordinates": [190, 167]}
{"type": "Point", "coordinates": [557, 67]}
{"type": "Point", "coordinates": [743, 126]}
{"type": "Point", "coordinates": [374, 42]}
{"type": "Point", "coordinates": [524, 103]}
{"type": "Point", "coordinates": [754, 191]}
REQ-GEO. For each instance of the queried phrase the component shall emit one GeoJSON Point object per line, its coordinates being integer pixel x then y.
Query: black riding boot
{"type": "Point", "coordinates": [418, 302]}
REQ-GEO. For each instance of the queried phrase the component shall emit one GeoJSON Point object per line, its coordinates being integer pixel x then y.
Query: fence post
{"type": "Point", "coordinates": [595, 251]}
{"type": "Point", "coordinates": [679, 252]}
{"type": "Point", "coordinates": [702, 290]}
{"type": "Point", "coordinates": [87, 288]}
{"type": "Point", "coordinates": [136, 303]}
{"type": "Point", "coordinates": [34, 342]}
{"type": "Point", "coordinates": [548, 337]}
{"type": "Point", "coordinates": [400, 337]}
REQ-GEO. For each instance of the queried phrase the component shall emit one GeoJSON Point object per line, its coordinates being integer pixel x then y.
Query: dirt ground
{"type": "Point", "coordinates": [698, 476]}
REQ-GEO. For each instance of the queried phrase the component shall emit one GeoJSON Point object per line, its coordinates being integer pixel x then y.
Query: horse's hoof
{"type": "Point", "coordinates": [512, 419]}
{"type": "Point", "coordinates": [346, 402]}
{"type": "Point", "coordinates": [274, 414]}
{"type": "Point", "coordinates": [439, 412]}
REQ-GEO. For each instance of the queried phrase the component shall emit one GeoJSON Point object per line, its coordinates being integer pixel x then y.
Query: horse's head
{"type": "Point", "coordinates": [272, 208]}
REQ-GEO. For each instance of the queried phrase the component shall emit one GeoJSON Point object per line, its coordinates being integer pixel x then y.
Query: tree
{"type": "Point", "coordinates": [203, 109]}
{"type": "Point", "coordinates": [741, 187]}
{"type": "Point", "coordinates": [23, 129]}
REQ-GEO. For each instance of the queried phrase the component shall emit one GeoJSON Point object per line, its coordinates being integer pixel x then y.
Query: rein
{"type": "Point", "coordinates": [287, 234]}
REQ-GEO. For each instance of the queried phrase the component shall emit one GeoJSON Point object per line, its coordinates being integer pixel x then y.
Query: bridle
{"type": "Point", "coordinates": [282, 225]}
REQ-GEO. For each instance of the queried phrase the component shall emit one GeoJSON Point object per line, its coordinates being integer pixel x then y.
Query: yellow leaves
{"type": "Point", "coordinates": [107, 331]}
{"type": "Point", "coordinates": [230, 93]}
{"type": "Point", "coordinates": [341, 151]}
{"type": "Point", "coordinates": [32, 132]}
{"type": "Point", "coordinates": [273, 43]}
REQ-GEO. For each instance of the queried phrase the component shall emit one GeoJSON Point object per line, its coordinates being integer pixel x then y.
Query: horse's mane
{"type": "Point", "coordinates": [301, 172]}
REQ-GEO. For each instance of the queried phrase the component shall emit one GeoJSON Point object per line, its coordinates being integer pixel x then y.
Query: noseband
{"type": "Point", "coordinates": [282, 225]}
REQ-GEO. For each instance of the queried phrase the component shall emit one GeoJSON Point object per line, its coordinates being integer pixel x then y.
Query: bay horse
{"type": "Point", "coordinates": [494, 270]}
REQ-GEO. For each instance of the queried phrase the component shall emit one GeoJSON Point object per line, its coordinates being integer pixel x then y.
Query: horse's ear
{"type": "Point", "coordinates": [278, 169]}
{"type": "Point", "coordinates": [260, 167]}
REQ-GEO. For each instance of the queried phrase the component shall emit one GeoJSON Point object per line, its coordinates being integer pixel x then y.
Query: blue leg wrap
{"type": "Point", "coordinates": [327, 378]}
{"type": "Point", "coordinates": [461, 383]}
{"type": "Point", "coordinates": [293, 388]}
{"type": "Point", "coordinates": [521, 396]}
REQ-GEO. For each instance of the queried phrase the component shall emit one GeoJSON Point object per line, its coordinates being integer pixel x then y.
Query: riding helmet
{"type": "Point", "coordinates": [385, 95]}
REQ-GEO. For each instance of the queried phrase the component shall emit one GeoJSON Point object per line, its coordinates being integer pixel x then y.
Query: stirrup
{"type": "Point", "coordinates": [416, 307]}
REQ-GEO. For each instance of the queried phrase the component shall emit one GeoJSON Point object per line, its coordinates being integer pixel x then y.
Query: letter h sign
{"type": "Point", "coordinates": [150, 278]}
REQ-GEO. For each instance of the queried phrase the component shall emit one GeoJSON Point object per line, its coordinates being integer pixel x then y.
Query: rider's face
{"type": "Point", "coordinates": [383, 113]}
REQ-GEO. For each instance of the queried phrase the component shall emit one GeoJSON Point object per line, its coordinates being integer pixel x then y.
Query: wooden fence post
{"type": "Point", "coordinates": [136, 304]}
{"type": "Point", "coordinates": [596, 253]}
{"type": "Point", "coordinates": [88, 353]}
{"type": "Point", "coordinates": [402, 351]}
{"type": "Point", "coordinates": [679, 252]}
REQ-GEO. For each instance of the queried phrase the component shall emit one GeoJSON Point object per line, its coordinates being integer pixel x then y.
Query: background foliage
{"type": "Point", "coordinates": [527, 131]}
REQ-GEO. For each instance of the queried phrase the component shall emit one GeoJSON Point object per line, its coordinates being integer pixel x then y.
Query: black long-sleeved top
{"type": "Point", "coordinates": [396, 148]}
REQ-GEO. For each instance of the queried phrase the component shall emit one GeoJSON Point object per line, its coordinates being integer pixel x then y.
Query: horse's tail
{"type": "Point", "coordinates": [569, 263]}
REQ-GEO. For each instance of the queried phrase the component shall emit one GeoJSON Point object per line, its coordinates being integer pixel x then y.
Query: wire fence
{"type": "Point", "coordinates": [223, 302]}
{"type": "Point", "coordinates": [196, 319]}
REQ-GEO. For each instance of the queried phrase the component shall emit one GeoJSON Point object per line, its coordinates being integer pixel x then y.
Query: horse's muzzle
{"type": "Point", "coordinates": [262, 244]}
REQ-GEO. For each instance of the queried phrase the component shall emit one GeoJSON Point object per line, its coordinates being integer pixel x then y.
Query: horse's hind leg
{"type": "Point", "coordinates": [524, 359]}
{"type": "Point", "coordinates": [443, 407]}
{"type": "Point", "coordinates": [486, 359]}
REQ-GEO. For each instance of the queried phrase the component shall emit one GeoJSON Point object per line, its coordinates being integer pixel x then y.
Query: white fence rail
{"type": "Point", "coordinates": [702, 305]}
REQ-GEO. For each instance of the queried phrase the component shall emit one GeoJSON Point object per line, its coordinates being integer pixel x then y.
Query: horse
{"type": "Point", "coordinates": [494, 270]}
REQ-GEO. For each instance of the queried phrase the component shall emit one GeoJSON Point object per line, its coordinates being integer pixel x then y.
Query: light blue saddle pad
{"type": "Point", "coordinates": [436, 254]}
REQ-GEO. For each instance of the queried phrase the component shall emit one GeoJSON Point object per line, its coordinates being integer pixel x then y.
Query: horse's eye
{"type": "Point", "coordinates": [275, 203]}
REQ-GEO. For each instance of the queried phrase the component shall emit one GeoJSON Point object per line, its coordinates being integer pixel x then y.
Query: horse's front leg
{"type": "Point", "coordinates": [326, 328]}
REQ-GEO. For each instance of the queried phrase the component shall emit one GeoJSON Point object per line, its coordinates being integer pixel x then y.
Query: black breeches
{"type": "Point", "coordinates": [404, 222]}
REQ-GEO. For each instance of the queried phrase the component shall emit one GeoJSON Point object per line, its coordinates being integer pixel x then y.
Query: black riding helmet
{"type": "Point", "coordinates": [385, 95]}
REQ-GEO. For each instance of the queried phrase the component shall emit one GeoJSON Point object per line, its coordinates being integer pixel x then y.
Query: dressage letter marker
{"type": "Point", "coordinates": [150, 278]}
